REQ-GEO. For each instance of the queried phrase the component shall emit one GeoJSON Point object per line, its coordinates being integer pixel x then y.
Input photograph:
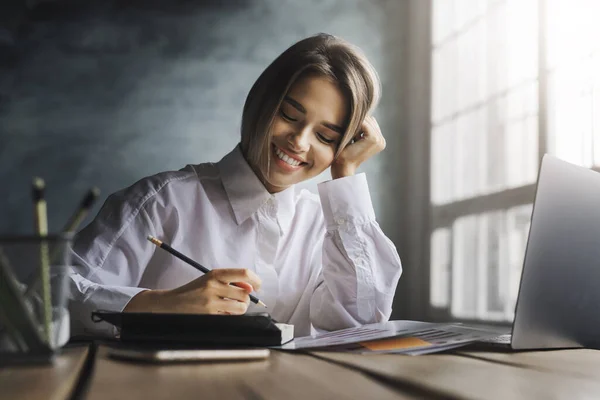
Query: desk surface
{"type": "Point", "coordinates": [55, 381]}
{"type": "Point", "coordinates": [460, 375]}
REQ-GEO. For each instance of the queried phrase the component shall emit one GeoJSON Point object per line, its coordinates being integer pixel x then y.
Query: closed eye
{"type": "Point", "coordinates": [324, 139]}
{"type": "Point", "coordinates": [287, 117]}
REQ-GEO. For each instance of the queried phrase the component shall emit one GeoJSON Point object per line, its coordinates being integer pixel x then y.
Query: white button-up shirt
{"type": "Point", "coordinates": [323, 260]}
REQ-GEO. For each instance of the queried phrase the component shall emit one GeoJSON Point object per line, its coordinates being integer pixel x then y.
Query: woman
{"type": "Point", "coordinates": [317, 261]}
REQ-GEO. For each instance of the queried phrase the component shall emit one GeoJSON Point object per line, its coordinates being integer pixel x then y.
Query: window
{"type": "Point", "coordinates": [511, 80]}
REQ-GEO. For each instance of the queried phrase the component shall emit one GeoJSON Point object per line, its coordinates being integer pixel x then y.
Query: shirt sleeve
{"type": "Point", "coordinates": [109, 257]}
{"type": "Point", "coordinates": [360, 265]}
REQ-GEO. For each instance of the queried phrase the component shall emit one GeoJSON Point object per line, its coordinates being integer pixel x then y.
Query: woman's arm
{"type": "Point", "coordinates": [111, 255]}
{"type": "Point", "coordinates": [360, 265]}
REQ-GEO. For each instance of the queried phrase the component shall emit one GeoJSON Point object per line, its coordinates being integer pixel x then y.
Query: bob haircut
{"type": "Point", "coordinates": [319, 55]}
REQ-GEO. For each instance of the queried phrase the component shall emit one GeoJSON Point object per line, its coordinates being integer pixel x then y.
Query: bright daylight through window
{"type": "Point", "coordinates": [511, 80]}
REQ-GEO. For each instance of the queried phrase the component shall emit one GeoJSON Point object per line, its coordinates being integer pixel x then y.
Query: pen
{"type": "Point", "coordinates": [41, 227]}
{"type": "Point", "coordinates": [193, 263]}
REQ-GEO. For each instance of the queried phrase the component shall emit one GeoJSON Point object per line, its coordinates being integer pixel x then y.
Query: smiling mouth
{"type": "Point", "coordinates": [287, 160]}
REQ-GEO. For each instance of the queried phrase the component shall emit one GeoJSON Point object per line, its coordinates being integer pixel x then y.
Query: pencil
{"type": "Point", "coordinates": [84, 207]}
{"type": "Point", "coordinates": [193, 263]}
{"type": "Point", "coordinates": [70, 227]}
{"type": "Point", "coordinates": [41, 227]}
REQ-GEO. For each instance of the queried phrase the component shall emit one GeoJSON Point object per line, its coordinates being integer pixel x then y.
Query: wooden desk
{"type": "Point", "coordinates": [284, 376]}
{"type": "Point", "coordinates": [560, 374]}
{"type": "Point", "coordinates": [48, 382]}
{"type": "Point", "coordinates": [482, 375]}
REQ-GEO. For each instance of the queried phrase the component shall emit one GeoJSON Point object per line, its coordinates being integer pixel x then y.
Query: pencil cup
{"type": "Point", "coordinates": [34, 316]}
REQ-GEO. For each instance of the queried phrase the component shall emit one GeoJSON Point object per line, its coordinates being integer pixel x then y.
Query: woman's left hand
{"type": "Point", "coordinates": [368, 142]}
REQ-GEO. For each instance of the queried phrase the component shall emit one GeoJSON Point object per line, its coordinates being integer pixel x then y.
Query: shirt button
{"type": "Point", "coordinates": [340, 221]}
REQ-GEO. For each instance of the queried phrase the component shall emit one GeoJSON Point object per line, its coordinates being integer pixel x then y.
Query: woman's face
{"type": "Point", "coordinates": [306, 132]}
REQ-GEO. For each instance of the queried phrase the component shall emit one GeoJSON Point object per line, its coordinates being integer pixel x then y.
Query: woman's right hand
{"type": "Point", "coordinates": [209, 294]}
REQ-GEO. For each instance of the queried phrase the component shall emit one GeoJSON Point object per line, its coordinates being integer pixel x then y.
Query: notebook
{"type": "Point", "coordinates": [168, 355]}
{"type": "Point", "coordinates": [255, 329]}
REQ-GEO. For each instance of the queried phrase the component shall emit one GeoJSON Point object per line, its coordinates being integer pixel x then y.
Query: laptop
{"type": "Point", "coordinates": [559, 294]}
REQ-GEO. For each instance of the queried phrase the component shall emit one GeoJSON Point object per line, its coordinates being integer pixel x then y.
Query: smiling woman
{"type": "Point", "coordinates": [306, 132]}
{"type": "Point", "coordinates": [317, 261]}
{"type": "Point", "coordinates": [341, 88]}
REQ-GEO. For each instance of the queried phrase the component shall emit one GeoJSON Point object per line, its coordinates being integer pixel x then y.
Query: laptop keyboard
{"type": "Point", "coordinates": [500, 339]}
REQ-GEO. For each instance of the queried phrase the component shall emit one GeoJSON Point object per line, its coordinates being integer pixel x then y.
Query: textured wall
{"type": "Point", "coordinates": [106, 92]}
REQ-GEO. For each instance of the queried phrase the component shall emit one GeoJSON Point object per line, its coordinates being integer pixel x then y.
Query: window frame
{"type": "Point", "coordinates": [439, 216]}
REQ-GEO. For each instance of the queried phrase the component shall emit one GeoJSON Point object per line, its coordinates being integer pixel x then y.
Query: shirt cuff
{"type": "Point", "coordinates": [105, 298]}
{"type": "Point", "coordinates": [115, 298]}
{"type": "Point", "coordinates": [346, 200]}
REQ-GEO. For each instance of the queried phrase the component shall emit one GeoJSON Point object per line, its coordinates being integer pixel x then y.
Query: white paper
{"type": "Point", "coordinates": [429, 337]}
{"type": "Point", "coordinates": [357, 334]}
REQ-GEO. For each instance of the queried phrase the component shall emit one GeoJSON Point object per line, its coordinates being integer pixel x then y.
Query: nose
{"type": "Point", "coordinates": [299, 141]}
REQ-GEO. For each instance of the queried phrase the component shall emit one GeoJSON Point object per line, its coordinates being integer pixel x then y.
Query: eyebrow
{"type": "Point", "coordinates": [299, 107]}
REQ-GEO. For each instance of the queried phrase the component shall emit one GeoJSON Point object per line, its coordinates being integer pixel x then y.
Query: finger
{"type": "Point", "coordinates": [365, 130]}
{"type": "Point", "coordinates": [373, 122]}
{"type": "Point", "coordinates": [234, 293]}
{"type": "Point", "coordinates": [359, 136]}
{"type": "Point", "coordinates": [231, 307]}
{"type": "Point", "coordinates": [372, 130]}
{"type": "Point", "coordinates": [229, 275]}
{"type": "Point", "coordinates": [370, 125]}
{"type": "Point", "coordinates": [243, 285]}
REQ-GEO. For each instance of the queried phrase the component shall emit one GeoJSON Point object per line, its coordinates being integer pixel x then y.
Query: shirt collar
{"type": "Point", "coordinates": [247, 194]}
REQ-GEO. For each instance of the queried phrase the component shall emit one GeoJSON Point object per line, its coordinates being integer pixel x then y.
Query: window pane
{"type": "Point", "coordinates": [522, 101]}
{"type": "Point", "coordinates": [468, 11]}
{"type": "Point", "coordinates": [443, 20]}
{"type": "Point", "coordinates": [570, 112]}
{"type": "Point", "coordinates": [573, 30]}
{"type": "Point", "coordinates": [442, 163]}
{"type": "Point", "coordinates": [464, 267]}
{"type": "Point", "coordinates": [468, 149]}
{"type": "Point", "coordinates": [521, 152]}
{"type": "Point", "coordinates": [472, 63]}
{"type": "Point", "coordinates": [518, 221]}
{"type": "Point", "coordinates": [531, 148]}
{"type": "Point", "coordinates": [444, 83]}
{"type": "Point", "coordinates": [492, 98]}
{"type": "Point", "coordinates": [572, 47]}
{"type": "Point", "coordinates": [522, 40]}
{"type": "Point", "coordinates": [487, 260]}
{"type": "Point", "coordinates": [497, 79]}
{"type": "Point", "coordinates": [461, 150]}
{"type": "Point", "coordinates": [440, 268]}
{"type": "Point", "coordinates": [492, 263]}
{"type": "Point", "coordinates": [484, 139]}
{"type": "Point", "coordinates": [495, 178]}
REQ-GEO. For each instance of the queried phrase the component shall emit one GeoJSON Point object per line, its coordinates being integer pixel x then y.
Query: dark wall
{"type": "Point", "coordinates": [106, 92]}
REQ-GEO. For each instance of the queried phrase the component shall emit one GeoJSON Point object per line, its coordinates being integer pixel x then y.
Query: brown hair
{"type": "Point", "coordinates": [322, 55]}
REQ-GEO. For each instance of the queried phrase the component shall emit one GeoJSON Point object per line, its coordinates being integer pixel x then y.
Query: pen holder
{"type": "Point", "coordinates": [34, 318]}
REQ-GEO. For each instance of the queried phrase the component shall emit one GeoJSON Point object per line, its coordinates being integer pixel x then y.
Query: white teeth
{"type": "Point", "coordinates": [284, 157]}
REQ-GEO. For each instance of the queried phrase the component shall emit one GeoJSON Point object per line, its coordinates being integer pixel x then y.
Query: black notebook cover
{"type": "Point", "coordinates": [198, 329]}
